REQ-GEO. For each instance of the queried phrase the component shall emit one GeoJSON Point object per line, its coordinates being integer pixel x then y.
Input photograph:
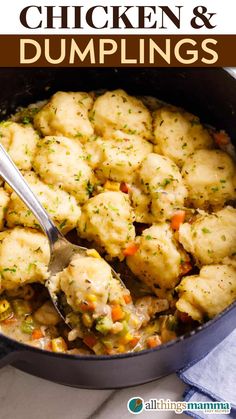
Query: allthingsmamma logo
{"type": "Point", "coordinates": [135, 405]}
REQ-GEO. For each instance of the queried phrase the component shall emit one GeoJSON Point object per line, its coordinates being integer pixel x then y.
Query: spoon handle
{"type": "Point", "coordinates": [10, 173]}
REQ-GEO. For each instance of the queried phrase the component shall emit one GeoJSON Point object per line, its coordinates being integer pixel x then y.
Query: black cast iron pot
{"type": "Point", "coordinates": [209, 93]}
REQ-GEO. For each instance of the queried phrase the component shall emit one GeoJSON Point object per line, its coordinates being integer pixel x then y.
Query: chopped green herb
{"type": "Point", "coordinates": [63, 224]}
{"type": "Point", "coordinates": [205, 230]}
{"type": "Point", "coordinates": [26, 120]}
{"type": "Point", "coordinates": [90, 188]}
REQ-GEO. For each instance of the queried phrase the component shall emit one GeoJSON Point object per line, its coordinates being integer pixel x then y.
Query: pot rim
{"type": "Point", "coordinates": [24, 347]}
{"type": "Point", "coordinates": [21, 347]}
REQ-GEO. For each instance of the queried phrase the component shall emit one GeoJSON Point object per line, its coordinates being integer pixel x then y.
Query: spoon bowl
{"type": "Point", "coordinates": [61, 250]}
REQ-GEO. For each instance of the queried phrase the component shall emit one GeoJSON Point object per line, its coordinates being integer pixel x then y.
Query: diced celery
{"type": "Point", "coordinates": [125, 328]}
{"type": "Point", "coordinates": [107, 342]}
{"type": "Point", "coordinates": [98, 348]}
{"type": "Point", "coordinates": [172, 323]}
{"type": "Point", "coordinates": [27, 326]}
{"type": "Point", "coordinates": [127, 315]}
{"type": "Point", "coordinates": [104, 325]}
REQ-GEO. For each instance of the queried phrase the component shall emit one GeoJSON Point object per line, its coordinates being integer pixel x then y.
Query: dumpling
{"type": "Point", "coordinates": [177, 134]}
{"type": "Point", "coordinates": [93, 151]}
{"type": "Point", "coordinates": [209, 177]}
{"type": "Point", "coordinates": [20, 142]}
{"type": "Point", "coordinates": [107, 219]}
{"type": "Point", "coordinates": [24, 257]}
{"type": "Point", "coordinates": [103, 307]}
{"type": "Point", "coordinates": [207, 294]}
{"type": "Point", "coordinates": [141, 204]}
{"type": "Point", "coordinates": [121, 158]}
{"type": "Point", "coordinates": [160, 179]}
{"type": "Point", "coordinates": [116, 111]}
{"type": "Point", "coordinates": [157, 261]}
{"type": "Point", "coordinates": [66, 114]}
{"type": "Point", "coordinates": [61, 206]}
{"type": "Point", "coordinates": [4, 200]}
{"type": "Point", "coordinates": [85, 278]}
{"type": "Point", "coordinates": [60, 161]}
{"type": "Point", "coordinates": [212, 237]}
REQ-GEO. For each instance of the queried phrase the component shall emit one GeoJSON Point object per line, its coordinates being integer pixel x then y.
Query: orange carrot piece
{"type": "Point", "coordinates": [90, 341]}
{"type": "Point", "coordinates": [87, 306]}
{"type": "Point", "coordinates": [109, 351]}
{"type": "Point", "coordinates": [124, 187]}
{"type": "Point", "coordinates": [11, 320]}
{"type": "Point", "coordinates": [177, 219]}
{"type": "Point", "coordinates": [221, 138]}
{"type": "Point", "coordinates": [117, 313]}
{"type": "Point", "coordinates": [134, 341]}
{"type": "Point", "coordinates": [184, 317]}
{"type": "Point", "coordinates": [48, 346]}
{"type": "Point", "coordinates": [127, 298]}
{"type": "Point", "coordinates": [185, 268]}
{"type": "Point", "coordinates": [130, 250]}
{"type": "Point", "coordinates": [37, 334]}
{"type": "Point", "coordinates": [153, 341]}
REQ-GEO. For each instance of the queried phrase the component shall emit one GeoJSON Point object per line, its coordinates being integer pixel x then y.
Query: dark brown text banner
{"type": "Point", "coordinates": [117, 50]}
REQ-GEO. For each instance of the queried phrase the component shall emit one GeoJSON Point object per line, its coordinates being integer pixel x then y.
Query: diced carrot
{"type": "Point", "coordinates": [130, 250]}
{"type": "Point", "coordinates": [109, 351]}
{"type": "Point", "coordinates": [48, 346]}
{"type": "Point", "coordinates": [221, 138]}
{"type": "Point", "coordinates": [10, 320]}
{"type": "Point", "coordinates": [37, 334]}
{"type": "Point", "coordinates": [90, 341]}
{"type": "Point", "coordinates": [185, 268]}
{"type": "Point", "coordinates": [153, 341]}
{"type": "Point", "coordinates": [87, 306]}
{"type": "Point", "coordinates": [117, 313]}
{"type": "Point", "coordinates": [191, 220]}
{"type": "Point", "coordinates": [124, 187]}
{"type": "Point", "coordinates": [134, 341]}
{"type": "Point", "coordinates": [127, 298]}
{"type": "Point", "coordinates": [184, 317]}
{"type": "Point", "coordinates": [177, 219]}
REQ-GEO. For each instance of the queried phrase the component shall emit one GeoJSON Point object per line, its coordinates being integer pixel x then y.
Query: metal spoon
{"type": "Point", "coordinates": [61, 250]}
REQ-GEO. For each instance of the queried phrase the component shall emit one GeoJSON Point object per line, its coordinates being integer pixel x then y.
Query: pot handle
{"type": "Point", "coordinates": [8, 352]}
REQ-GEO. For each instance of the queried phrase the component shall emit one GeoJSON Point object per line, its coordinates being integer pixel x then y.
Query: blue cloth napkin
{"type": "Point", "coordinates": [213, 378]}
